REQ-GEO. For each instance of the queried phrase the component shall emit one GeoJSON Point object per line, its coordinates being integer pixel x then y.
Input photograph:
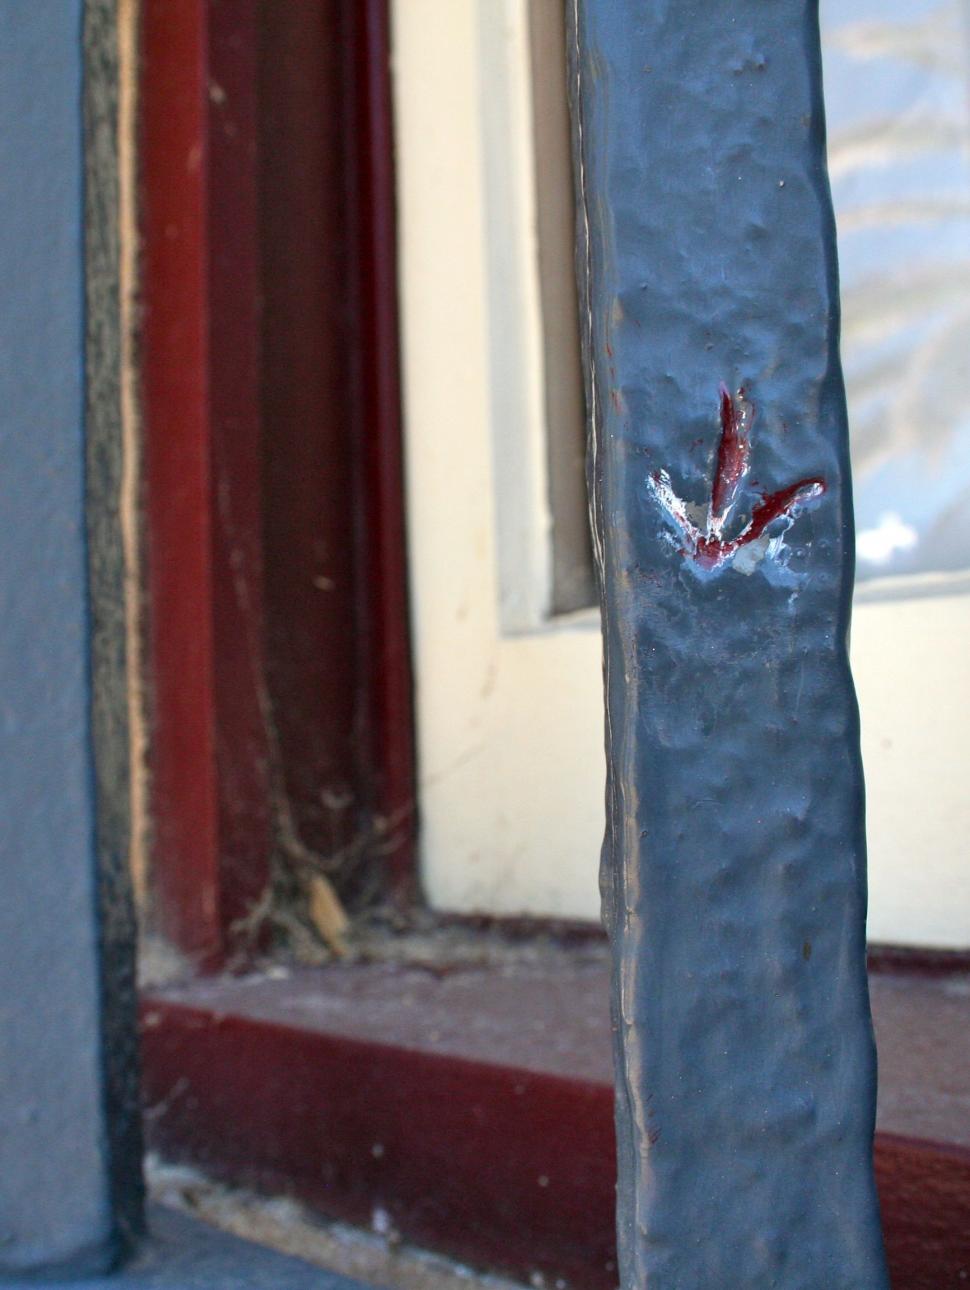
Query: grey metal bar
{"type": "Point", "coordinates": [58, 1207]}
{"type": "Point", "coordinates": [734, 863]}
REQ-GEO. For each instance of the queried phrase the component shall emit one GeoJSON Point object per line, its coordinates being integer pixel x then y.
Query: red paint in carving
{"type": "Point", "coordinates": [711, 551]}
{"type": "Point", "coordinates": [775, 505]}
{"type": "Point", "coordinates": [732, 455]}
{"type": "Point", "coordinates": [709, 548]}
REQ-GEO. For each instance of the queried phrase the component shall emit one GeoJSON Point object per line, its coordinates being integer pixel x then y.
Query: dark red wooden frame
{"type": "Point", "coordinates": [209, 504]}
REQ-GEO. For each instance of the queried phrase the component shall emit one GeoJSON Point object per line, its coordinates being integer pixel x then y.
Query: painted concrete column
{"type": "Point", "coordinates": [733, 870]}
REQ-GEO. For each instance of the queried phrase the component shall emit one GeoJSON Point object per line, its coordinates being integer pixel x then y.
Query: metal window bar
{"type": "Point", "coordinates": [733, 870]}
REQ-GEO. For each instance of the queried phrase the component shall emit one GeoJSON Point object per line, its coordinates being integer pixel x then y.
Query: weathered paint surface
{"type": "Point", "coordinates": [733, 871]}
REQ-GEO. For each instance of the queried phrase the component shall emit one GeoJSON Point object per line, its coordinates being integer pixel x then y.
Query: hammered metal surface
{"type": "Point", "coordinates": [733, 870]}
{"type": "Point", "coordinates": [57, 1164]}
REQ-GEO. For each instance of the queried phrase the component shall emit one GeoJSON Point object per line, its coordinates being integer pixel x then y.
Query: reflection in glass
{"type": "Point", "coordinates": [897, 95]}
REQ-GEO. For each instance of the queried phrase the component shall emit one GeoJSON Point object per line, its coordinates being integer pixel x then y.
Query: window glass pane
{"type": "Point", "coordinates": [896, 89]}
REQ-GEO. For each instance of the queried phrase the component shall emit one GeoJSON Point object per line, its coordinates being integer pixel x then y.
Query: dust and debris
{"type": "Point", "coordinates": [327, 914]}
{"type": "Point", "coordinates": [378, 1257]}
{"type": "Point", "coordinates": [159, 962]}
{"type": "Point", "coordinates": [443, 945]}
{"type": "Point", "coordinates": [439, 944]}
{"type": "Point", "coordinates": [382, 1223]}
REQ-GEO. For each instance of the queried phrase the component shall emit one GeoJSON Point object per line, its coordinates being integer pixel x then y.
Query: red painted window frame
{"type": "Point", "coordinates": [204, 505]}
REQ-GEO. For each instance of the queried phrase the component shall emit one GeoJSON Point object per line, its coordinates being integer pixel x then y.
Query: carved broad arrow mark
{"type": "Point", "coordinates": [707, 546]}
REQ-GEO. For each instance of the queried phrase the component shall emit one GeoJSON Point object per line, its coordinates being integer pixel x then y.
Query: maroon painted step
{"type": "Point", "coordinates": [472, 1107]}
